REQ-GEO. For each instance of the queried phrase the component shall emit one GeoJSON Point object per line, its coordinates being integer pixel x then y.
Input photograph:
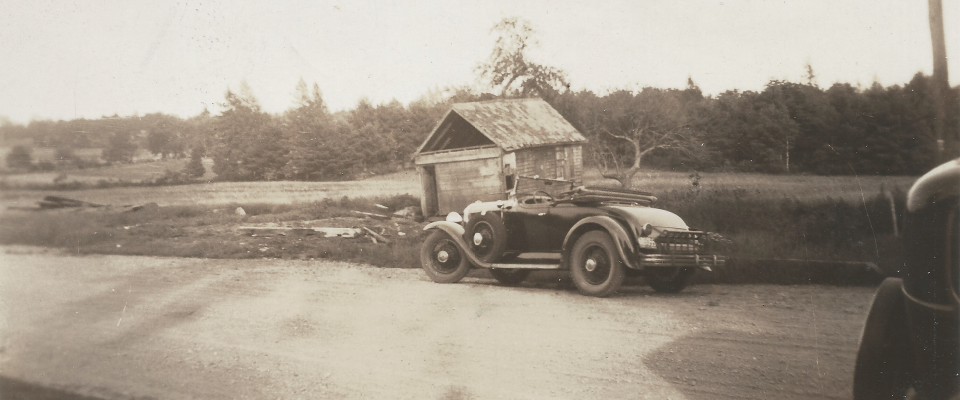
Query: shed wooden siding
{"type": "Point", "coordinates": [551, 162]}
{"type": "Point", "coordinates": [463, 182]}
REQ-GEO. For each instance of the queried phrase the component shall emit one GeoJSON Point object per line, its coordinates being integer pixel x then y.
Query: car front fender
{"type": "Point", "coordinates": [620, 238]}
{"type": "Point", "coordinates": [456, 233]}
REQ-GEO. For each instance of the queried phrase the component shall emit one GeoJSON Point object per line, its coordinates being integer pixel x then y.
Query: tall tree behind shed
{"type": "Point", "coordinates": [510, 69]}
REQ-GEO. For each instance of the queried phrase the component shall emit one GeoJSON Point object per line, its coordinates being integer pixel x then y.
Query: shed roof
{"type": "Point", "coordinates": [513, 124]}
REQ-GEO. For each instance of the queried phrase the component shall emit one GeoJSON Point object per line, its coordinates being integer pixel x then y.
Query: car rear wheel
{"type": "Point", "coordinates": [669, 280]}
{"type": "Point", "coordinates": [442, 259]}
{"type": "Point", "coordinates": [595, 265]}
{"type": "Point", "coordinates": [487, 236]}
{"type": "Point", "coordinates": [510, 276]}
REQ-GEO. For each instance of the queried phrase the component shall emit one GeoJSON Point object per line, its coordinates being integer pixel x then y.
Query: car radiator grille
{"type": "Point", "coordinates": [681, 242]}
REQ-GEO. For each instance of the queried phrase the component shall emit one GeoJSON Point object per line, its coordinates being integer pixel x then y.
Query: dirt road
{"type": "Point", "coordinates": [141, 327]}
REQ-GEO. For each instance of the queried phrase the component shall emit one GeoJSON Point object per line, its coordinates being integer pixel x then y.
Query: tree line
{"type": "Point", "coordinates": [788, 127]}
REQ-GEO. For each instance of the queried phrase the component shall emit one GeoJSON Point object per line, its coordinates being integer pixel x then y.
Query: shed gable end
{"type": "Point", "coordinates": [454, 132]}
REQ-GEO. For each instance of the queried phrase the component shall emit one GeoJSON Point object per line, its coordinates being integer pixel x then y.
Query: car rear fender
{"type": "Point", "coordinates": [601, 222]}
{"type": "Point", "coordinates": [456, 233]}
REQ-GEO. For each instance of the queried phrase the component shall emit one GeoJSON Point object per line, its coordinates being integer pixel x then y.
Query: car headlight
{"type": "Point", "coordinates": [646, 230]}
{"type": "Point", "coordinates": [647, 243]}
{"type": "Point", "coordinates": [454, 217]}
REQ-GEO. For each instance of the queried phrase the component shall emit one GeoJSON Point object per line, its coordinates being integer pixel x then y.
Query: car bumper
{"type": "Point", "coordinates": [681, 260]}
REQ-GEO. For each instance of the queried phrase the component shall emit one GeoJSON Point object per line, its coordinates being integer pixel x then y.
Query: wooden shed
{"type": "Point", "coordinates": [478, 149]}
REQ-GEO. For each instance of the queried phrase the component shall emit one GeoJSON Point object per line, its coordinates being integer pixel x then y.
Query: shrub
{"type": "Point", "coordinates": [828, 229]}
{"type": "Point", "coordinates": [121, 148]}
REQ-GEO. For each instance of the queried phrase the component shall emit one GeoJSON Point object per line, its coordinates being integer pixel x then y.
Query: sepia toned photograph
{"type": "Point", "coordinates": [736, 199]}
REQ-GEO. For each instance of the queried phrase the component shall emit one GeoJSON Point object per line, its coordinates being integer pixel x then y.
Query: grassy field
{"type": "Point", "coordinates": [800, 187]}
{"type": "Point", "coordinates": [284, 192]}
{"type": "Point", "coordinates": [774, 187]}
{"type": "Point", "coordinates": [136, 172]}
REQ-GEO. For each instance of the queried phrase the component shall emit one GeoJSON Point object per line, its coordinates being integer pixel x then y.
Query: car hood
{"type": "Point", "coordinates": [647, 215]}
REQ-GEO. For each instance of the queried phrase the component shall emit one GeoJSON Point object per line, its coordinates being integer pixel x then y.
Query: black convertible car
{"type": "Point", "coordinates": [601, 235]}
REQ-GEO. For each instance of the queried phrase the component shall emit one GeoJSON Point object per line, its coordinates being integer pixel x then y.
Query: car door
{"type": "Point", "coordinates": [532, 225]}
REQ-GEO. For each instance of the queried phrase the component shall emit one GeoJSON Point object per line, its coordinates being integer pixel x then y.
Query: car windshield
{"type": "Point", "coordinates": [530, 186]}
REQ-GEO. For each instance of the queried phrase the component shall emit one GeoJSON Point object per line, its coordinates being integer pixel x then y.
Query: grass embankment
{"type": "Point", "coordinates": [762, 231]}
{"type": "Point", "coordinates": [210, 231]}
{"type": "Point", "coordinates": [759, 228]}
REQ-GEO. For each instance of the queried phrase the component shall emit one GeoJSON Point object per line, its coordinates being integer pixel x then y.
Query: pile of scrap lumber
{"type": "Point", "coordinates": [348, 233]}
{"type": "Point", "coordinates": [362, 224]}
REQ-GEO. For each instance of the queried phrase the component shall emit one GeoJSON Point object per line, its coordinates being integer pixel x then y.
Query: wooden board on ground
{"type": "Point", "coordinates": [348, 233]}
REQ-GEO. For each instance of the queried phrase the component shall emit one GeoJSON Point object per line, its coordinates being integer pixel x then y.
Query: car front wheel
{"type": "Point", "coordinates": [595, 265]}
{"type": "Point", "coordinates": [442, 259]}
{"type": "Point", "coordinates": [487, 235]}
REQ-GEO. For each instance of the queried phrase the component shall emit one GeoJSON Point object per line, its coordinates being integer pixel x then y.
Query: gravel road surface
{"type": "Point", "coordinates": [120, 327]}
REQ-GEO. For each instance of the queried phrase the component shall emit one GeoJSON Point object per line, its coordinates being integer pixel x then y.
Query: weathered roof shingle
{"type": "Point", "coordinates": [519, 123]}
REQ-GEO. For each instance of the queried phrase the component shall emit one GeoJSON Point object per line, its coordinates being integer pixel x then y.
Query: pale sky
{"type": "Point", "coordinates": [72, 59]}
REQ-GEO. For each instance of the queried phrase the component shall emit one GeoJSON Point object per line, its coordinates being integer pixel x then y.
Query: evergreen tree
{"type": "Point", "coordinates": [20, 157]}
{"type": "Point", "coordinates": [195, 168]}
{"type": "Point", "coordinates": [321, 145]}
{"type": "Point", "coordinates": [249, 145]}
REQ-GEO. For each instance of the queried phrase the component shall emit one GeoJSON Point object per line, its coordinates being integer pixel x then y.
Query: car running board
{"type": "Point", "coordinates": [526, 266]}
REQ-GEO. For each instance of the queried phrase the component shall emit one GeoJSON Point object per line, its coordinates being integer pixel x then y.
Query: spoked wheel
{"type": "Point", "coordinates": [669, 280]}
{"type": "Point", "coordinates": [487, 236]}
{"type": "Point", "coordinates": [595, 266]}
{"type": "Point", "coordinates": [509, 276]}
{"type": "Point", "coordinates": [442, 259]}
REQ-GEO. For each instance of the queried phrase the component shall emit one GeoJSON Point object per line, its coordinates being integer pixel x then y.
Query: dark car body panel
{"type": "Point", "coordinates": [914, 325]}
{"type": "Point", "coordinates": [549, 216]}
{"type": "Point", "coordinates": [931, 278]}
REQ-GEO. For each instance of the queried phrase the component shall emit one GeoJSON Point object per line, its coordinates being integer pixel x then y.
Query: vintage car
{"type": "Point", "coordinates": [911, 339]}
{"type": "Point", "coordinates": [601, 235]}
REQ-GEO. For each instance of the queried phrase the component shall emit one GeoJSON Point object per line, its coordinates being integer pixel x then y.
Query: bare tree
{"type": "Point", "coordinates": [627, 127]}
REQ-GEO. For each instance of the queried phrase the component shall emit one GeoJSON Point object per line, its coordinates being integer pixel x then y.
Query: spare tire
{"type": "Point", "coordinates": [487, 236]}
